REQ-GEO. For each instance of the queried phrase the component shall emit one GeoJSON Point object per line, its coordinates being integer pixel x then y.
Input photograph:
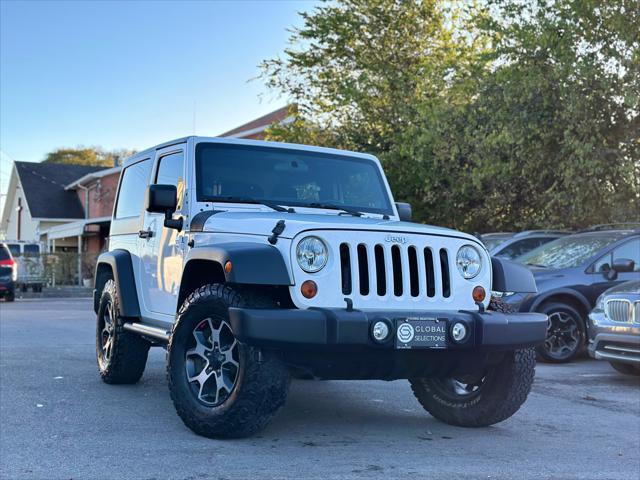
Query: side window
{"type": "Point", "coordinates": [31, 249]}
{"type": "Point", "coordinates": [14, 248]}
{"type": "Point", "coordinates": [630, 250]}
{"type": "Point", "coordinates": [603, 264]}
{"type": "Point", "coordinates": [132, 189]}
{"type": "Point", "coordinates": [171, 172]}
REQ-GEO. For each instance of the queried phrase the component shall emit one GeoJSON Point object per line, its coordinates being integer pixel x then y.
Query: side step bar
{"type": "Point", "coordinates": [148, 331]}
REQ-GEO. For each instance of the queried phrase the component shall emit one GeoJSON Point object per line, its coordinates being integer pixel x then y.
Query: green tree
{"type": "Point", "coordinates": [92, 156]}
{"type": "Point", "coordinates": [505, 115]}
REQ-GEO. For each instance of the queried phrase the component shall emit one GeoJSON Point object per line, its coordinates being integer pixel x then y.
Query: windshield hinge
{"type": "Point", "coordinates": [277, 230]}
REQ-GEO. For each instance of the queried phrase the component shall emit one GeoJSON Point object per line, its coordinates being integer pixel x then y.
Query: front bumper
{"type": "Point", "coordinates": [613, 341]}
{"type": "Point", "coordinates": [340, 329]}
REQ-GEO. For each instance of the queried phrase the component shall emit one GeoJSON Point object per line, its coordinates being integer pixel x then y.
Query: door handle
{"type": "Point", "coordinates": [145, 233]}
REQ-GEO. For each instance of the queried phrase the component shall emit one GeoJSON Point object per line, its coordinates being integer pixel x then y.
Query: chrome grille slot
{"type": "Point", "coordinates": [619, 310]}
{"type": "Point", "coordinates": [636, 312]}
{"type": "Point", "coordinates": [444, 266]}
{"type": "Point", "coordinates": [397, 270]}
{"type": "Point", "coordinates": [413, 272]}
{"type": "Point", "coordinates": [381, 275]}
{"type": "Point", "coordinates": [363, 269]}
{"type": "Point", "coordinates": [430, 274]}
{"type": "Point", "coordinates": [345, 268]}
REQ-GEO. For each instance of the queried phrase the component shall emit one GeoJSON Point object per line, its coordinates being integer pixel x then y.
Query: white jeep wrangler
{"type": "Point", "coordinates": [254, 261]}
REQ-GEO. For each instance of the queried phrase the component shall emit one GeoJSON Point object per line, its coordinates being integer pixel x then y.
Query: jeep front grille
{"type": "Point", "coordinates": [623, 311]}
{"type": "Point", "coordinates": [397, 270]}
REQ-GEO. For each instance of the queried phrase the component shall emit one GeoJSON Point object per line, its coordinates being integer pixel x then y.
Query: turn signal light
{"type": "Point", "coordinates": [227, 267]}
{"type": "Point", "coordinates": [479, 294]}
{"type": "Point", "coordinates": [309, 289]}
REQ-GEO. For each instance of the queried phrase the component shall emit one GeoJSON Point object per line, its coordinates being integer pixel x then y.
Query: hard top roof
{"type": "Point", "coordinates": [238, 141]}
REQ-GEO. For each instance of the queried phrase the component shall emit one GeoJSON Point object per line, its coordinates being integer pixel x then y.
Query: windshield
{"type": "Point", "coordinates": [568, 252]}
{"type": "Point", "coordinates": [289, 177]}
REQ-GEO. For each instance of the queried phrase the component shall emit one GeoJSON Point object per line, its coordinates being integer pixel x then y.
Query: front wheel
{"type": "Point", "coordinates": [483, 399]}
{"type": "Point", "coordinates": [220, 387]}
{"type": "Point", "coordinates": [566, 334]}
{"type": "Point", "coordinates": [121, 355]}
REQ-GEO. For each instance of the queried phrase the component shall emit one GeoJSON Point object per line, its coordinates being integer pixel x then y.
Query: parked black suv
{"type": "Point", "coordinates": [8, 272]}
{"type": "Point", "coordinates": [571, 272]}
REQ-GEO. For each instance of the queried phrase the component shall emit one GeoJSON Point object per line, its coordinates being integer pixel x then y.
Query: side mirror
{"type": "Point", "coordinates": [621, 265]}
{"type": "Point", "coordinates": [404, 211]}
{"type": "Point", "coordinates": [164, 199]}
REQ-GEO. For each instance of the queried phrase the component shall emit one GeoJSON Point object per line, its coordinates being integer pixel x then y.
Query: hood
{"type": "Point", "coordinates": [262, 223]}
{"type": "Point", "coordinates": [627, 287]}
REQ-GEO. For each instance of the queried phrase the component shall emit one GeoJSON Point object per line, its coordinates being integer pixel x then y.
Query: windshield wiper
{"type": "Point", "coordinates": [330, 206]}
{"type": "Point", "coordinates": [273, 206]}
{"type": "Point", "coordinates": [537, 265]}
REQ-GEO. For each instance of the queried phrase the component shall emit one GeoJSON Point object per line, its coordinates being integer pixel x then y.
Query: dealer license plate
{"type": "Point", "coordinates": [421, 332]}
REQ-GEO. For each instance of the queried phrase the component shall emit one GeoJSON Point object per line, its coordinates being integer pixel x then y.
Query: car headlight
{"type": "Point", "coordinates": [468, 261]}
{"type": "Point", "coordinates": [311, 254]}
{"type": "Point", "coordinates": [600, 303]}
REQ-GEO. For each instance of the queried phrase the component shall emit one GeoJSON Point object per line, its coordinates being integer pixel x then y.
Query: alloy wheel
{"type": "Point", "coordinates": [212, 362]}
{"type": "Point", "coordinates": [106, 333]}
{"type": "Point", "coordinates": [563, 336]}
{"type": "Point", "coordinates": [461, 388]}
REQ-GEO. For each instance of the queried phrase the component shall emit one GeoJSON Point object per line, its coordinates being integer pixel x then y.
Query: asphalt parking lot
{"type": "Point", "coordinates": [59, 421]}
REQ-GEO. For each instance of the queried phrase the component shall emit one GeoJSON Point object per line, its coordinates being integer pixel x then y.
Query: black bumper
{"type": "Point", "coordinates": [7, 287]}
{"type": "Point", "coordinates": [339, 329]}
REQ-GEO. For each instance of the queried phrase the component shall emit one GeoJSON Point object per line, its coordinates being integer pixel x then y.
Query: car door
{"type": "Point", "coordinates": [162, 248]}
{"type": "Point", "coordinates": [628, 250]}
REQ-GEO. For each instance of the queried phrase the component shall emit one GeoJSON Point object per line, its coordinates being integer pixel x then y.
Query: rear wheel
{"type": "Point", "coordinates": [626, 368]}
{"type": "Point", "coordinates": [220, 387]}
{"type": "Point", "coordinates": [121, 355]}
{"type": "Point", "coordinates": [482, 399]}
{"type": "Point", "coordinates": [566, 333]}
{"type": "Point", "coordinates": [10, 297]}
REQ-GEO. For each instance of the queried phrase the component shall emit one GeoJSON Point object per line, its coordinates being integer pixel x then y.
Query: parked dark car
{"type": "Point", "coordinates": [8, 274]}
{"type": "Point", "coordinates": [614, 328]}
{"type": "Point", "coordinates": [571, 272]}
{"type": "Point", "coordinates": [524, 242]}
{"type": "Point", "coordinates": [492, 240]}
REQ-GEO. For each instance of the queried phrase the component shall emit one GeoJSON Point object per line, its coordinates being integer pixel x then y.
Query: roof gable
{"type": "Point", "coordinates": [260, 124]}
{"type": "Point", "coordinates": [44, 184]}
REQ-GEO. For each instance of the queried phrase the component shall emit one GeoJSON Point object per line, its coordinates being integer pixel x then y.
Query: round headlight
{"type": "Point", "coordinates": [311, 254]}
{"type": "Point", "coordinates": [468, 261]}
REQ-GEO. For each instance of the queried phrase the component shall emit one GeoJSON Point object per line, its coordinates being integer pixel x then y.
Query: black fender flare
{"type": "Point", "coordinates": [579, 297]}
{"type": "Point", "coordinates": [122, 267]}
{"type": "Point", "coordinates": [251, 263]}
{"type": "Point", "coordinates": [511, 277]}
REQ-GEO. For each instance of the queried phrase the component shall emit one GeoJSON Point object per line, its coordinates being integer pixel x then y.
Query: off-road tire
{"type": "Point", "coordinates": [262, 380]}
{"type": "Point", "coordinates": [626, 368]}
{"type": "Point", "coordinates": [128, 350]}
{"type": "Point", "coordinates": [505, 389]}
{"type": "Point", "coordinates": [561, 308]}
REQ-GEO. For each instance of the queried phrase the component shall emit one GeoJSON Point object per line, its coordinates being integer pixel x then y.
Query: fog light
{"type": "Point", "coordinates": [380, 331]}
{"type": "Point", "coordinates": [478, 294]}
{"type": "Point", "coordinates": [458, 331]}
{"type": "Point", "coordinates": [309, 289]}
